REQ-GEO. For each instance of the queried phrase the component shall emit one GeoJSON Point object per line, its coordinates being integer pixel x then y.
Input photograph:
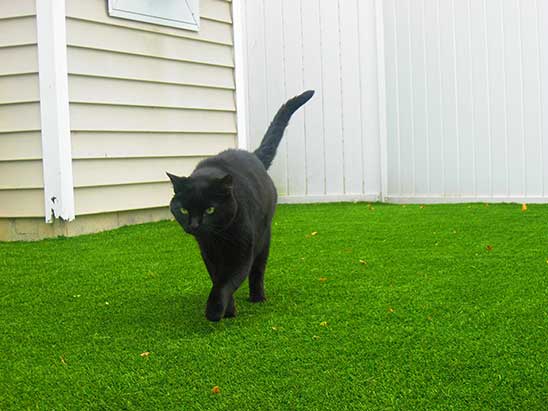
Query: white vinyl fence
{"type": "Point", "coordinates": [458, 110]}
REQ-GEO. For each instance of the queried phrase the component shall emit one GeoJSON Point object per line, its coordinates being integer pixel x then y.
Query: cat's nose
{"type": "Point", "coordinates": [194, 224]}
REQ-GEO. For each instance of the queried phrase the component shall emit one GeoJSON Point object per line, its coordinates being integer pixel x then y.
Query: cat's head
{"type": "Point", "coordinates": [203, 204]}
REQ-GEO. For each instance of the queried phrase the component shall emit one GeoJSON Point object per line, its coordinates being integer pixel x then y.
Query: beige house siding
{"type": "Point", "coordinates": [21, 181]}
{"type": "Point", "coordinates": [145, 99]}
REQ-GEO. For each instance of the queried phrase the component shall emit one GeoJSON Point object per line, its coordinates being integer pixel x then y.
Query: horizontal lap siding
{"type": "Point", "coordinates": [215, 26]}
{"type": "Point", "coordinates": [145, 99]}
{"type": "Point", "coordinates": [21, 181]}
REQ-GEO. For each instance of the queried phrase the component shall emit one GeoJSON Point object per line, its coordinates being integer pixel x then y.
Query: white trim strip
{"type": "Point", "coordinates": [381, 98]}
{"type": "Point", "coordinates": [329, 198]}
{"type": "Point", "coordinates": [239, 27]}
{"type": "Point", "coordinates": [54, 110]}
{"type": "Point", "coordinates": [442, 199]}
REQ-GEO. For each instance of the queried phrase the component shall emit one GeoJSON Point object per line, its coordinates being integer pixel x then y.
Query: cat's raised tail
{"type": "Point", "coordinates": [275, 132]}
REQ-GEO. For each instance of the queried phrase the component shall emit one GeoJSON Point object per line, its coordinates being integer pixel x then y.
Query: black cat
{"type": "Point", "coordinates": [227, 204]}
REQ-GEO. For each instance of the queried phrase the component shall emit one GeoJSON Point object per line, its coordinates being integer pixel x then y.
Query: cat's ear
{"type": "Point", "coordinates": [226, 183]}
{"type": "Point", "coordinates": [178, 182]}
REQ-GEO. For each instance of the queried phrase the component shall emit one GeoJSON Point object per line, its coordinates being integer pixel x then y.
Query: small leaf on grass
{"type": "Point", "coordinates": [524, 207]}
{"type": "Point", "coordinates": [145, 354]}
{"type": "Point", "coordinates": [391, 310]}
{"type": "Point", "coordinates": [275, 328]}
{"type": "Point", "coordinates": [421, 206]}
{"type": "Point", "coordinates": [323, 324]}
{"type": "Point", "coordinates": [216, 390]}
{"type": "Point", "coordinates": [316, 337]}
{"type": "Point", "coordinates": [313, 233]}
{"type": "Point", "coordinates": [62, 358]}
{"type": "Point", "coordinates": [489, 247]}
{"type": "Point", "coordinates": [363, 262]}
{"type": "Point", "coordinates": [323, 279]}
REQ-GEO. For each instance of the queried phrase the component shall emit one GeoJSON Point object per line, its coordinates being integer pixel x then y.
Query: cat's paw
{"type": "Point", "coordinates": [214, 311]}
{"type": "Point", "coordinates": [257, 298]}
{"type": "Point", "coordinates": [230, 310]}
{"type": "Point", "coordinates": [230, 314]}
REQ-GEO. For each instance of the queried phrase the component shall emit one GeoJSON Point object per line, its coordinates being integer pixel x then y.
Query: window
{"type": "Point", "coordinates": [184, 14]}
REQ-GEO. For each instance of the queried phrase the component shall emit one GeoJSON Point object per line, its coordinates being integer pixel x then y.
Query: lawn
{"type": "Point", "coordinates": [369, 307]}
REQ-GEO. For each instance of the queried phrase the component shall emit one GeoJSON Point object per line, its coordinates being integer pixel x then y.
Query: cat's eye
{"type": "Point", "coordinates": [210, 210]}
{"type": "Point", "coordinates": [184, 211]}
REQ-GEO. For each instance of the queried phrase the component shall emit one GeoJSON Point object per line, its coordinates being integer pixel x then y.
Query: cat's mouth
{"type": "Point", "coordinates": [194, 230]}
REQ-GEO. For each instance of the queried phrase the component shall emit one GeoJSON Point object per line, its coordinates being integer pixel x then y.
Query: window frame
{"type": "Point", "coordinates": [157, 17]}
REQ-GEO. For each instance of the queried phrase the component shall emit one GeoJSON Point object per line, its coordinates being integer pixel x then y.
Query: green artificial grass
{"type": "Point", "coordinates": [447, 309]}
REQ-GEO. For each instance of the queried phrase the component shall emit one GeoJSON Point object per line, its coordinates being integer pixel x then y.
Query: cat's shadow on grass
{"type": "Point", "coordinates": [184, 314]}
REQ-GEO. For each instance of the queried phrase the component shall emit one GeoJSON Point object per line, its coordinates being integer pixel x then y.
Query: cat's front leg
{"type": "Point", "coordinates": [217, 303]}
{"type": "Point", "coordinates": [221, 301]}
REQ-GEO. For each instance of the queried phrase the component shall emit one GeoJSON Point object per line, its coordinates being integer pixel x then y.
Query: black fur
{"type": "Point", "coordinates": [227, 204]}
{"type": "Point", "coordinates": [273, 136]}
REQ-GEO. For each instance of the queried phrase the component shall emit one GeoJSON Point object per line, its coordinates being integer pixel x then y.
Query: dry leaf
{"type": "Point", "coordinates": [524, 207]}
{"type": "Point", "coordinates": [313, 233]}
{"type": "Point", "coordinates": [363, 262]}
{"type": "Point", "coordinates": [145, 354]}
{"type": "Point", "coordinates": [421, 206]}
{"type": "Point", "coordinates": [323, 324]}
{"type": "Point", "coordinates": [62, 358]}
{"type": "Point", "coordinates": [489, 247]}
{"type": "Point", "coordinates": [323, 279]}
{"type": "Point", "coordinates": [391, 310]}
{"type": "Point", "coordinates": [216, 390]}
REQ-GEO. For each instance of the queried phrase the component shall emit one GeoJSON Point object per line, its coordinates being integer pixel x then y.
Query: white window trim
{"type": "Point", "coordinates": [128, 15]}
{"type": "Point", "coordinates": [54, 110]}
{"type": "Point", "coordinates": [240, 62]}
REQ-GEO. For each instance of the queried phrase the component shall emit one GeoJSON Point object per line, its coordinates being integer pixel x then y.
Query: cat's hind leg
{"type": "Point", "coordinates": [256, 275]}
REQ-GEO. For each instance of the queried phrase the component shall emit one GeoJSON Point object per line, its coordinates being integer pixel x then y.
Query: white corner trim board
{"type": "Point", "coordinates": [239, 28]}
{"type": "Point", "coordinates": [381, 97]}
{"type": "Point", "coordinates": [54, 110]}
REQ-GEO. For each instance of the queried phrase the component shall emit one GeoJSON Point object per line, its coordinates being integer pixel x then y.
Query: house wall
{"type": "Point", "coordinates": [467, 100]}
{"type": "Point", "coordinates": [145, 99]}
{"type": "Point", "coordinates": [331, 148]}
{"type": "Point", "coordinates": [21, 182]}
